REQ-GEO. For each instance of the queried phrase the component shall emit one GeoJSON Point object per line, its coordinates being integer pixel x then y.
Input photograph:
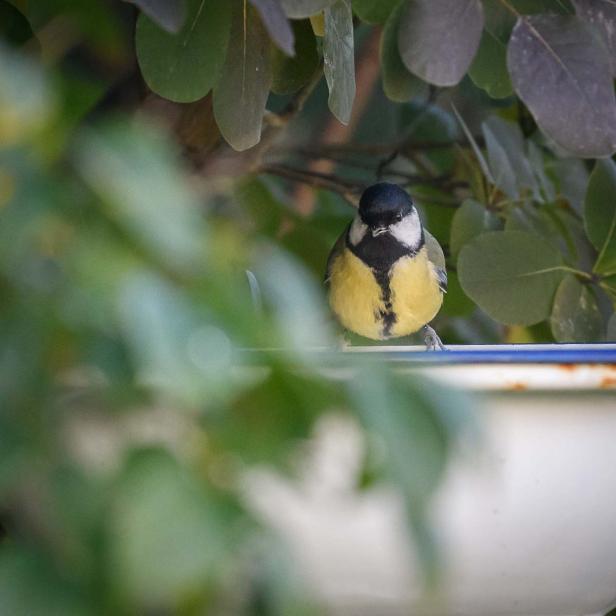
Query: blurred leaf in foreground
{"type": "Point", "coordinates": [133, 169]}
{"type": "Point", "coordinates": [167, 537]}
{"type": "Point", "coordinates": [26, 97]}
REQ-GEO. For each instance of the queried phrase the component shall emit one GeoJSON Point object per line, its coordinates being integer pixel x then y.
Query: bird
{"type": "Point", "coordinates": [386, 274]}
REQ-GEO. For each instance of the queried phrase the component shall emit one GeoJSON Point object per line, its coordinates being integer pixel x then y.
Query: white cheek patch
{"type": "Point", "coordinates": [408, 230]}
{"type": "Point", "coordinates": [357, 231]}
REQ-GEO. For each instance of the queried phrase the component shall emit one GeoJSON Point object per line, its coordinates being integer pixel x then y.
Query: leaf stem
{"type": "Point", "coordinates": [510, 8]}
{"type": "Point", "coordinates": [577, 272]}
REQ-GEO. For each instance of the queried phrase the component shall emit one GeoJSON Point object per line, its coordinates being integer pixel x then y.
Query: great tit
{"type": "Point", "coordinates": [386, 274]}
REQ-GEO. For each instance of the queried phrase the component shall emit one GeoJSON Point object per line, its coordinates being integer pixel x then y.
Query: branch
{"type": "Point", "coordinates": [334, 151]}
{"type": "Point", "coordinates": [348, 189]}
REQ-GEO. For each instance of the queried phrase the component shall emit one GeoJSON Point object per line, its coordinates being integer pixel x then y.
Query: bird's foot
{"type": "Point", "coordinates": [432, 340]}
{"type": "Point", "coordinates": [342, 342]}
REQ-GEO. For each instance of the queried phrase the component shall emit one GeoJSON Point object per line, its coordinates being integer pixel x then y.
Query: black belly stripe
{"type": "Point", "coordinates": [387, 315]}
{"type": "Point", "coordinates": [381, 254]}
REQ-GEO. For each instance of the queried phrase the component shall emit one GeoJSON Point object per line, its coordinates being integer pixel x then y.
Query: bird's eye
{"type": "Point", "coordinates": [398, 217]}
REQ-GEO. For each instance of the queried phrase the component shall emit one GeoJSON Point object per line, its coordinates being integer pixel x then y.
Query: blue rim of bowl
{"type": "Point", "coordinates": [496, 354]}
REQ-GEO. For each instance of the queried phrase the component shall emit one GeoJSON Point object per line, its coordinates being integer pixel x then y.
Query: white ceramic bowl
{"type": "Point", "coordinates": [526, 523]}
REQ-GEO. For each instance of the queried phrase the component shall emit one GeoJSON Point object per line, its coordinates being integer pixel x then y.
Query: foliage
{"type": "Point", "coordinates": [161, 292]}
{"type": "Point", "coordinates": [553, 60]}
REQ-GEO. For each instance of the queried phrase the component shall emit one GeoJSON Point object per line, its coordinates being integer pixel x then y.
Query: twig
{"type": "Point", "coordinates": [348, 189]}
{"type": "Point", "coordinates": [327, 150]}
{"type": "Point", "coordinates": [380, 170]}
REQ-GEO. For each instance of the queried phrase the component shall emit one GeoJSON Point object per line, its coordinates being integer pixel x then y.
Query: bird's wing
{"type": "Point", "coordinates": [335, 251]}
{"type": "Point", "coordinates": [437, 258]}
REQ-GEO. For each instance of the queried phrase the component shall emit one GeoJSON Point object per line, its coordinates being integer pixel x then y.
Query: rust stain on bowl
{"type": "Point", "coordinates": [568, 367]}
{"type": "Point", "coordinates": [518, 387]}
{"type": "Point", "coordinates": [608, 382]}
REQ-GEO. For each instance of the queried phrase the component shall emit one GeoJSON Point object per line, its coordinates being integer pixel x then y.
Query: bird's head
{"type": "Point", "coordinates": [387, 208]}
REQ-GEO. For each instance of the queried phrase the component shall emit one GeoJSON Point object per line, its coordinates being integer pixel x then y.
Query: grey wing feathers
{"type": "Point", "coordinates": [335, 251]}
{"type": "Point", "coordinates": [437, 258]}
{"type": "Point", "coordinates": [442, 279]}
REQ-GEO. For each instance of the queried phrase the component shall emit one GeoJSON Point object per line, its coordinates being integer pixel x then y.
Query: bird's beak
{"type": "Point", "coordinates": [378, 231]}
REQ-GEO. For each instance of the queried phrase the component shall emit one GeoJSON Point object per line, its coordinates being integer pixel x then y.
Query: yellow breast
{"type": "Point", "coordinates": [415, 294]}
{"type": "Point", "coordinates": [357, 299]}
{"type": "Point", "coordinates": [355, 295]}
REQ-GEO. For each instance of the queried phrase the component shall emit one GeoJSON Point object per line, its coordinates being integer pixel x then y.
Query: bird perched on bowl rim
{"type": "Point", "coordinates": [386, 274]}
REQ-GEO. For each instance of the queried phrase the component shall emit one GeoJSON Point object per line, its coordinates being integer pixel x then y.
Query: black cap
{"type": "Point", "coordinates": [380, 203]}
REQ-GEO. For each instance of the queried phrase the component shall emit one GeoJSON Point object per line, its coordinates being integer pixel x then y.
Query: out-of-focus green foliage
{"type": "Point", "coordinates": [163, 325]}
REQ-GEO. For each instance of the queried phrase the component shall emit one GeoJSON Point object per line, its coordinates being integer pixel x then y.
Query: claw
{"type": "Point", "coordinates": [432, 340]}
{"type": "Point", "coordinates": [342, 342]}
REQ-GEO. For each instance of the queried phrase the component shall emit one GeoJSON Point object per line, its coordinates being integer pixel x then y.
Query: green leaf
{"type": "Point", "coordinates": [434, 216]}
{"type": "Point", "coordinates": [608, 284]}
{"type": "Point", "coordinates": [26, 98]}
{"type": "Point", "coordinates": [290, 74]}
{"type": "Point", "coordinates": [399, 84]}
{"type": "Point", "coordinates": [184, 67]}
{"type": "Point", "coordinates": [297, 301]}
{"type": "Point", "coordinates": [532, 7]}
{"type": "Point", "coordinates": [374, 11]}
{"type": "Point", "coordinates": [499, 21]}
{"type": "Point", "coordinates": [276, 24]}
{"type": "Point", "coordinates": [512, 275]}
{"type": "Point", "coordinates": [558, 227]}
{"type": "Point", "coordinates": [338, 56]}
{"type": "Point", "coordinates": [414, 428]}
{"type": "Point", "coordinates": [299, 9]}
{"type": "Point", "coordinates": [261, 209]}
{"type": "Point", "coordinates": [510, 167]}
{"type": "Point", "coordinates": [240, 98]}
{"type": "Point", "coordinates": [32, 585]}
{"type": "Point", "coordinates": [15, 29]}
{"type": "Point", "coordinates": [133, 169]}
{"type": "Point", "coordinates": [575, 315]}
{"type": "Point", "coordinates": [572, 178]}
{"type": "Point", "coordinates": [611, 329]}
{"type": "Point", "coordinates": [174, 349]}
{"type": "Point", "coordinates": [601, 14]}
{"type": "Point", "coordinates": [547, 192]}
{"type": "Point", "coordinates": [168, 14]}
{"type": "Point", "coordinates": [95, 20]}
{"type": "Point", "coordinates": [557, 63]}
{"type": "Point", "coordinates": [420, 122]}
{"type": "Point", "coordinates": [456, 303]}
{"type": "Point", "coordinates": [403, 415]}
{"type": "Point", "coordinates": [470, 220]}
{"type": "Point", "coordinates": [438, 38]}
{"type": "Point", "coordinates": [268, 422]}
{"type": "Point", "coordinates": [500, 165]}
{"type": "Point", "coordinates": [474, 145]}
{"type": "Point", "coordinates": [600, 214]}
{"type": "Point", "coordinates": [311, 240]}
{"type": "Point", "coordinates": [166, 539]}
{"type": "Point", "coordinates": [489, 68]}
